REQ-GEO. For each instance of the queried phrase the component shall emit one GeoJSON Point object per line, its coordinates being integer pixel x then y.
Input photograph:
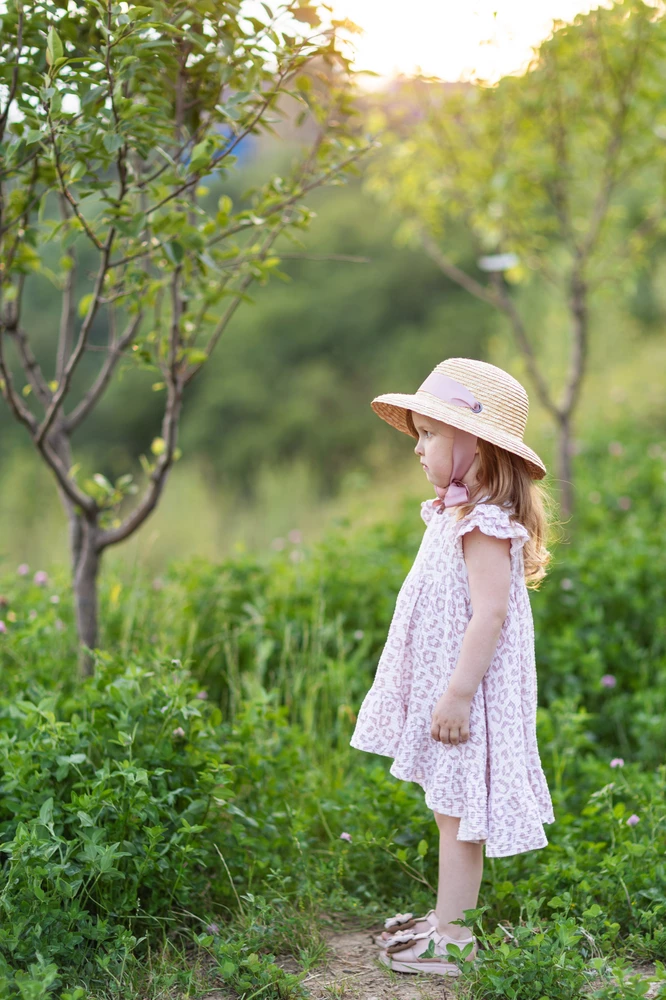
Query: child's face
{"type": "Point", "coordinates": [435, 450]}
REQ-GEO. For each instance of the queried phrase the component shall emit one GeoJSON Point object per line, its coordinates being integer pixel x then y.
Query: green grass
{"type": "Point", "coordinates": [173, 824]}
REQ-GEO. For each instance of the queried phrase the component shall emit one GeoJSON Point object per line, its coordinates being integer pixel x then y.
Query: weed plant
{"type": "Point", "coordinates": [194, 812]}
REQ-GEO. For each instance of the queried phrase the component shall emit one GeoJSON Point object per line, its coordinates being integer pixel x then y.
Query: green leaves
{"type": "Point", "coordinates": [174, 251]}
{"type": "Point", "coordinates": [94, 94]}
{"type": "Point", "coordinates": [195, 356]}
{"type": "Point", "coordinates": [54, 49]}
{"type": "Point", "coordinates": [120, 807]}
{"type": "Point", "coordinates": [46, 813]}
{"type": "Point", "coordinates": [113, 142]}
{"type": "Point", "coordinates": [77, 171]}
{"type": "Point", "coordinates": [430, 950]}
{"type": "Point", "coordinates": [202, 154]}
{"type": "Point", "coordinates": [224, 207]}
{"type": "Point", "coordinates": [112, 130]}
{"type": "Point", "coordinates": [95, 827]}
{"type": "Point", "coordinates": [84, 304]}
{"type": "Point", "coordinates": [134, 13]}
{"type": "Point", "coordinates": [122, 76]}
{"type": "Point", "coordinates": [33, 135]}
{"type": "Point", "coordinates": [521, 165]}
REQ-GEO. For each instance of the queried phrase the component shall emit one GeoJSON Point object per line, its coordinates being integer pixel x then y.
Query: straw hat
{"type": "Point", "coordinates": [501, 418]}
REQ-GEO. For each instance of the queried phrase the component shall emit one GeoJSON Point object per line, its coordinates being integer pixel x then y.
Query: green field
{"type": "Point", "coordinates": [175, 822]}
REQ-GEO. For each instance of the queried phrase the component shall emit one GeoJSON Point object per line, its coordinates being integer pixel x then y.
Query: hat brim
{"type": "Point", "coordinates": [393, 406]}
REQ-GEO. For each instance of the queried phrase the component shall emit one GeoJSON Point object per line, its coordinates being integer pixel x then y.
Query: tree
{"type": "Point", "coordinates": [541, 169]}
{"type": "Point", "coordinates": [111, 115]}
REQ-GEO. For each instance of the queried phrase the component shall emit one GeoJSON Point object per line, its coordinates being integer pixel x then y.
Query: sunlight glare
{"type": "Point", "coordinates": [484, 39]}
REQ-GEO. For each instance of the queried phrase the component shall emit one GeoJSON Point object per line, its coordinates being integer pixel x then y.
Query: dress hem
{"type": "Point", "coordinates": [491, 851]}
{"type": "Point", "coordinates": [366, 749]}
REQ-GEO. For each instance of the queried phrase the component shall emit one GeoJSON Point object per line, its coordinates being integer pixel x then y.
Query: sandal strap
{"type": "Point", "coordinates": [400, 942]}
{"type": "Point", "coordinates": [403, 941]}
{"type": "Point", "coordinates": [399, 921]}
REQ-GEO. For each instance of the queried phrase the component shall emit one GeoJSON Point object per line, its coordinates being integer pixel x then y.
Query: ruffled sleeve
{"type": "Point", "coordinates": [427, 510]}
{"type": "Point", "coordinates": [495, 521]}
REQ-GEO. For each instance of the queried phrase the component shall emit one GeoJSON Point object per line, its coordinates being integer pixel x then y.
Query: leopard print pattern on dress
{"type": "Point", "coordinates": [494, 782]}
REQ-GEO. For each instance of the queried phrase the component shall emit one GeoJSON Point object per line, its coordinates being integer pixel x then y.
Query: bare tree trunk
{"type": "Point", "coordinates": [85, 559]}
{"type": "Point", "coordinates": [564, 466]}
{"type": "Point", "coordinates": [85, 595]}
{"type": "Point", "coordinates": [578, 359]}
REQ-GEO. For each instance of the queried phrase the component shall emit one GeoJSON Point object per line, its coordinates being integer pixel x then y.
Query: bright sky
{"type": "Point", "coordinates": [453, 39]}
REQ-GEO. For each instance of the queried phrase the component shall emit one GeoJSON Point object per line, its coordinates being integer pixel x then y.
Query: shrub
{"type": "Point", "coordinates": [108, 802]}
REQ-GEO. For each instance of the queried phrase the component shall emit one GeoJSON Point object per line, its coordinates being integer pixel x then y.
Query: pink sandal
{"type": "Point", "coordinates": [402, 922]}
{"type": "Point", "coordinates": [425, 952]}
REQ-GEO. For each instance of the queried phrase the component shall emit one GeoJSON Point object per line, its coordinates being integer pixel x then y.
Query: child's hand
{"type": "Point", "coordinates": [450, 719]}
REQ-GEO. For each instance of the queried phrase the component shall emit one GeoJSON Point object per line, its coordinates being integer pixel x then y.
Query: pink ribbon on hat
{"type": "Point", "coordinates": [464, 444]}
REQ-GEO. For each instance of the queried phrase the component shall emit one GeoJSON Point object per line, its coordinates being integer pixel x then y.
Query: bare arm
{"type": "Point", "coordinates": [489, 573]}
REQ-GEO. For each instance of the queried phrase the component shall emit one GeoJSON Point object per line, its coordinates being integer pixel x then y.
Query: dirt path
{"type": "Point", "coordinates": [353, 972]}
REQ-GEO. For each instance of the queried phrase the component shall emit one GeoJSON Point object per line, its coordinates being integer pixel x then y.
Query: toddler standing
{"type": "Point", "coordinates": [454, 697]}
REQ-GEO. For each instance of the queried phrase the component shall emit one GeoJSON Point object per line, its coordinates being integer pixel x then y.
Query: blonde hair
{"type": "Point", "coordinates": [504, 480]}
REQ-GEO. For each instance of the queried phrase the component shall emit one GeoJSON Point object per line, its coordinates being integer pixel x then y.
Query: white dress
{"type": "Point", "coordinates": [494, 782]}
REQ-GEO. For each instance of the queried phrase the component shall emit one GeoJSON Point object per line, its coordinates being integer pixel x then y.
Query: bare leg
{"type": "Point", "coordinates": [460, 873]}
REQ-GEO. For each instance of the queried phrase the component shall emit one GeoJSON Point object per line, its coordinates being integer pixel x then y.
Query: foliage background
{"type": "Point", "coordinates": [164, 823]}
{"type": "Point", "coordinates": [242, 627]}
{"type": "Point", "coordinates": [277, 432]}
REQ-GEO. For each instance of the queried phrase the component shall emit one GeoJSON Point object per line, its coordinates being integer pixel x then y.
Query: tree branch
{"type": "Point", "coordinates": [66, 331]}
{"type": "Point", "coordinates": [13, 400]}
{"type": "Point", "coordinates": [221, 326]}
{"type": "Point", "coordinates": [5, 174]}
{"type": "Point", "coordinates": [86, 502]}
{"type": "Point", "coordinates": [558, 194]}
{"type": "Point", "coordinates": [31, 366]}
{"type": "Point", "coordinates": [268, 243]}
{"type": "Point", "coordinates": [215, 160]}
{"type": "Point", "coordinates": [24, 219]}
{"type": "Point", "coordinates": [169, 435]}
{"type": "Point", "coordinates": [112, 536]}
{"type": "Point", "coordinates": [75, 357]}
{"type": "Point", "coordinates": [18, 219]}
{"type": "Point", "coordinates": [83, 408]}
{"type": "Point", "coordinates": [345, 258]}
{"type": "Point", "coordinates": [460, 277]}
{"type": "Point", "coordinates": [274, 209]}
{"type": "Point", "coordinates": [15, 74]}
{"type": "Point", "coordinates": [610, 159]}
{"type": "Point", "coordinates": [499, 299]}
{"type": "Point", "coordinates": [177, 155]}
{"type": "Point", "coordinates": [24, 416]}
{"type": "Point", "coordinates": [508, 307]}
{"type": "Point", "coordinates": [122, 151]}
{"type": "Point", "coordinates": [579, 347]}
{"type": "Point", "coordinates": [247, 224]}
{"type": "Point", "coordinates": [245, 131]}
{"type": "Point", "coordinates": [63, 186]}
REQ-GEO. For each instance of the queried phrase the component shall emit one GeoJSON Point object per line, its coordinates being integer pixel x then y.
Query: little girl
{"type": "Point", "coordinates": [454, 697]}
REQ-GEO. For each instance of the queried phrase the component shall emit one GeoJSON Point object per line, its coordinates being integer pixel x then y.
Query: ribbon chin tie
{"type": "Point", "coordinates": [451, 391]}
